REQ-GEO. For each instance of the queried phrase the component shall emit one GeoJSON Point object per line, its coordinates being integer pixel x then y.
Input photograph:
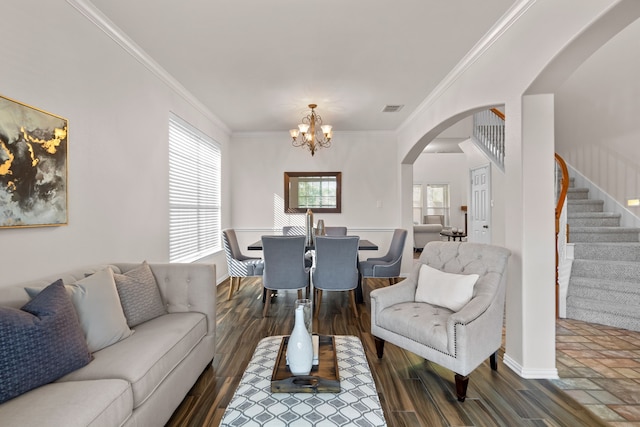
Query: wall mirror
{"type": "Point", "coordinates": [319, 191]}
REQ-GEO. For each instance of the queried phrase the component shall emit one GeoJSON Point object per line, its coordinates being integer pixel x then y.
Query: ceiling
{"type": "Point", "coordinates": [256, 64]}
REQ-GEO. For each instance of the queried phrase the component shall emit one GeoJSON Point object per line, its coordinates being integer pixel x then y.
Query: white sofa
{"type": "Point", "coordinates": [425, 233]}
{"type": "Point", "coordinates": [141, 379]}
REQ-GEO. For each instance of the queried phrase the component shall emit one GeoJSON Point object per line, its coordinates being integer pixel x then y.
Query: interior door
{"type": "Point", "coordinates": [480, 216]}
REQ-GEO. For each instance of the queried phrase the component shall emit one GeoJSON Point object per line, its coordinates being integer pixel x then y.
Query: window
{"type": "Point", "coordinates": [417, 203]}
{"type": "Point", "coordinates": [438, 201]}
{"type": "Point", "coordinates": [194, 192]}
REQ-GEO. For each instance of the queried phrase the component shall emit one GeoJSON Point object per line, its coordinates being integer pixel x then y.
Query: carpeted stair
{"type": "Point", "coordinates": [604, 286]}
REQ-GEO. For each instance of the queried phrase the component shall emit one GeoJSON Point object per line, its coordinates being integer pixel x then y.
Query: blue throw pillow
{"type": "Point", "coordinates": [40, 343]}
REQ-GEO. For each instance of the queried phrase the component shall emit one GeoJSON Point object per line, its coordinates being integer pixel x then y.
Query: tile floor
{"type": "Point", "coordinates": [599, 366]}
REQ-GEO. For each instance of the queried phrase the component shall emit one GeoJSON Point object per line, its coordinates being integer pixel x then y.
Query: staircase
{"type": "Point", "coordinates": [604, 286]}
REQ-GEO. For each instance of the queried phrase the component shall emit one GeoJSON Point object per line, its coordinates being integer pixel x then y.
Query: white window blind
{"type": "Point", "coordinates": [194, 192]}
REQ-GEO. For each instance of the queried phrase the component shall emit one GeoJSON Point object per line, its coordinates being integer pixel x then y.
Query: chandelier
{"type": "Point", "coordinates": [315, 135]}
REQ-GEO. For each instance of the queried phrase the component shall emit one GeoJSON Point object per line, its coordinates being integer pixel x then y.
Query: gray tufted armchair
{"type": "Point", "coordinates": [459, 340]}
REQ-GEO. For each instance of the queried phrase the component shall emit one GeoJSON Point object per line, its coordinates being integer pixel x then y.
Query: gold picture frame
{"type": "Point", "coordinates": [33, 166]}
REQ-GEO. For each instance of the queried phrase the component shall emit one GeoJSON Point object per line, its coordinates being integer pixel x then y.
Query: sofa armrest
{"type": "Point", "coordinates": [186, 287]}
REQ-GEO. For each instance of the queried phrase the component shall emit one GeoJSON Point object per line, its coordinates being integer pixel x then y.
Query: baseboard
{"type": "Point", "coordinates": [529, 373]}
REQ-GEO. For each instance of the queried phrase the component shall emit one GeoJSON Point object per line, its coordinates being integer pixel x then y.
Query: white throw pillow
{"type": "Point", "coordinates": [449, 290]}
{"type": "Point", "coordinates": [99, 310]}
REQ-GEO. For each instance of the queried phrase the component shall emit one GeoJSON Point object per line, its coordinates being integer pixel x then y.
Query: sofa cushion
{"type": "Point", "coordinates": [148, 356]}
{"type": "Point", "coordinates": [139, 295]}
{"type": "Point", "coordinates": [40, 342]}
{"type": "Point", "coordinates": [100, 403]}
{"type": "Point", "coordinates": [449, 290]}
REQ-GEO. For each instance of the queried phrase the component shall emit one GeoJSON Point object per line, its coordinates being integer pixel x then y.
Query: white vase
{"type": "Point", "coordinates": [300, 347]}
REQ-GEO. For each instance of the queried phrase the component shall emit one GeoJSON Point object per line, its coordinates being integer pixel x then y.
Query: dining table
{"type": "Point", "coordinates": [363, 245]}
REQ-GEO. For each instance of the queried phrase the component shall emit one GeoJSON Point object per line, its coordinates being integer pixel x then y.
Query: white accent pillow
{"type": "Point", "coordinates": [99, 310]}
{"type": "Point", "coordinates": [449, 290]}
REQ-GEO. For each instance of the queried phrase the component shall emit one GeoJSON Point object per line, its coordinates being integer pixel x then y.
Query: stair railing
{"type": "Point", "coordinates": [488, 133]}
{"type": "Point", "coordinates": [562, 185]}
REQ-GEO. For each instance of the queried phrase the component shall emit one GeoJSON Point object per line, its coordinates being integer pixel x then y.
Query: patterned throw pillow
{"type": "Point", "coordinates": [40, 343]}
{"type": "Point", "coordinates": [98, 307]}
{"type": "Point", "coordinates": [139, 295]}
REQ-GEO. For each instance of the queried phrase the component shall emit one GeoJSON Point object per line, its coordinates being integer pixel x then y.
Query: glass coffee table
{"type": "Point", "coordinates": [253, 403]}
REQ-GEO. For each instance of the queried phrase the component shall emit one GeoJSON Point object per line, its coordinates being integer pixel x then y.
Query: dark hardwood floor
{"type": "Point", "coordinates": [412, 392]}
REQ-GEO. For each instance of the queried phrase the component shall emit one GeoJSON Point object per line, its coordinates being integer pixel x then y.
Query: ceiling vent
{"type": "Point", "coordinates": [392, 108]}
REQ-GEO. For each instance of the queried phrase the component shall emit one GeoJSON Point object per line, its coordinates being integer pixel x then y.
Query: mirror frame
{"type": "Point", "coordinates": [291, 209]}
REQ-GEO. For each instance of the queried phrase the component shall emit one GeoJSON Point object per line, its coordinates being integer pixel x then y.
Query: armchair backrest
{"type": "Point", "coordinates": [434, 219]}
{"type": "Point", "coordinates": [488, 261]}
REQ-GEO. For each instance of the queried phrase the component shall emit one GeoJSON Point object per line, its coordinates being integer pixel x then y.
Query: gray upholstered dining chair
{"type": "Point", "coordinates": [293, 230]}
{"type": "Point", "coordinates": [389, 265]}
{"type": "Point", "coordinates": [336, 267]}
{"type": "Point", "coordinates": [335, 231]}
{"type": "Point", "coordinates": [449, 310]}
{"type": "Point", "coordinates": [283, 265]}
{"type": "Point", "coordinates": [239, 265]}
{"type": "Point", "coordinates": [299, 230]}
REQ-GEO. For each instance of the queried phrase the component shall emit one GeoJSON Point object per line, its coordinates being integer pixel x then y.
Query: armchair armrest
{"type": "Point", "coordinates": [479, 321]}
{"type": "Point", "coordinates": [405, 291]}
{"type": "Point", "coordinates": [470, 312]}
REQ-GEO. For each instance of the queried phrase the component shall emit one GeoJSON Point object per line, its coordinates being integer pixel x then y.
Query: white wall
{"type": "Point", "coordinates": [504, 69]}
{"type": "Point", "coordinates": [445, 168]}
{"type": "Point", "coordinates": [369, 166]}
{"type": "Point", "coordinates": [56, 60]}
{"type": "Point", "coordinates": [597, 116]}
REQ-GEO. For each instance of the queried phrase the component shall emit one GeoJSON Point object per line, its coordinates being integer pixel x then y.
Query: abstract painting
{"type": "Point", "coordinates": [33, 166]}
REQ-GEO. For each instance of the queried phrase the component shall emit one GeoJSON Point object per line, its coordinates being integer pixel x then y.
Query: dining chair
{"type": "Point", "coordinates": [293, 230]}
{"type": "Point", "coordinates": [387, 266]}
{"type": "Point", "coordinates": [299, 230]}
{"type": "Point", "coordinates": [239, 265]}
{"type": "Point", "coordinates": [336, 267]}
{"type": "Point", "coordinates": [284, 267]}
{"type": "Point", "coordinates": [335, 231]}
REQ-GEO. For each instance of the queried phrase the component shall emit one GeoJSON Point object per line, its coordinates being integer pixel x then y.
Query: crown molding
{"type": "Point", "coordinates": [93, 14]}
{"type": "Point", "coordinates": [494, 34]}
